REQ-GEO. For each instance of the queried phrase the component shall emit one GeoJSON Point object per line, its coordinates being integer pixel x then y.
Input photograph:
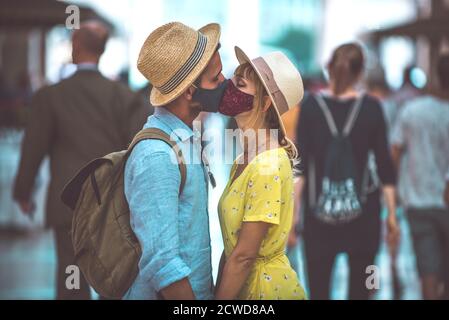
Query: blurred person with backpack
{"type": "Point", "coordinates": [336, 131]}
{"type": "Point", "coordinates": [72, 122]}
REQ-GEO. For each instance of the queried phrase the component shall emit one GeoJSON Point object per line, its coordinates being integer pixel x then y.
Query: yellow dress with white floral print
{"type": "Point", "coordinates": [263, 192]}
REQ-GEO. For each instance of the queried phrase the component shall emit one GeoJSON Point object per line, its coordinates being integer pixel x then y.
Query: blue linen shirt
{"type": "Point", "coordinates": [172, 228]}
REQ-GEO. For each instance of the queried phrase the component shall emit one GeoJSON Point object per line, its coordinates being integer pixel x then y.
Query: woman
{"type": "Point", "coordinates": [358, 236]}
{"type": "Point", "coordinates": [256, 208]}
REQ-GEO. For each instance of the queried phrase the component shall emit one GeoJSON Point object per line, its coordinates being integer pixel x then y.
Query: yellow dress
{"type": "Point", "coordinates": [263, 192]}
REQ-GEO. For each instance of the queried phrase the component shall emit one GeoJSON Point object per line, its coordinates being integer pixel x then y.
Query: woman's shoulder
{"type": "Point", "coordinates": [372, 105]}
{"type": "Point", "coordinates": [266, 156]}
{"type": "Point", "coordinates": [272, 162]}
{"type": "Point", "coordinates": [309, 108]}
{"type": "Point", "coordinates": [371, 100]}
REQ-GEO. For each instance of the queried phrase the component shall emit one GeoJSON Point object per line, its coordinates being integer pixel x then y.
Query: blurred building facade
{"type": "Point", "coordinates": [429, 35]}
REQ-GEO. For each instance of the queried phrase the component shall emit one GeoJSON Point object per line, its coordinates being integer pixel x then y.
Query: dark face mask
{"type": "Point", "coordinates": [235, 102]}
{"type": "Point", "coordinates": [210, 99]}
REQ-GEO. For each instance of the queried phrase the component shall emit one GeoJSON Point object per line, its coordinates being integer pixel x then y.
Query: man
{"type": "Point", "coordinates": [185, 69]}
{"type": "Point", "coordinates": [421, 148]}
{"type": "Point", "coordinates": [81, 118]}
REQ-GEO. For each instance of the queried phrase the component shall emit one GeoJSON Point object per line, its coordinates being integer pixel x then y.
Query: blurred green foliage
{"type": "Point", "coordinates": [301, 45]}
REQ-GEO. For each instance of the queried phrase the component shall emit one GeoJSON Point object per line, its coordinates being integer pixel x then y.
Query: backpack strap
{"type": "Point", "coordinates": [353, 115]}
{"type": "Point", "coordinates": [327, 114]}
{"type": "Point", "coordinates": [350, 121]}
{"type": "Point", "coordinates": [158, 134]}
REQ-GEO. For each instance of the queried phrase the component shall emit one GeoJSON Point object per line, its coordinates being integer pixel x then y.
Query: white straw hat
{"type": "Point", "coordinates": [280, 78]}
{"type": "Point", "coordinates": [174, 56]}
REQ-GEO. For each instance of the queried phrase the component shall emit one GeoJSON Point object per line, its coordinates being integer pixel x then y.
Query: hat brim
{"type": "Point", "coordinates": [242, 59]}
{"type": "Point", "coordinates": [212, 33]}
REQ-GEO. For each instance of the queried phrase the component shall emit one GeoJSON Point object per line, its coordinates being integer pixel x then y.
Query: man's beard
{"type": "Point", "coordinates": [195, 109]}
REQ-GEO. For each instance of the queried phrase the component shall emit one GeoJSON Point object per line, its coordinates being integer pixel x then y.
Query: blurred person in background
{"type": "Point", "coordinates": [377, 87]}
{"type": "Point", "coordinates": [408, 90]}
{"type": "Point", "coordinates": [358, 236]}
{"type": "Point", "coordinates": [421, 154]}
{"type": "Point", "coordinates": [74, 121]}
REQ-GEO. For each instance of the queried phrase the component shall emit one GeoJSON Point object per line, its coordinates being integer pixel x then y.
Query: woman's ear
{"type": "Point", "coordinates": [266, 103]}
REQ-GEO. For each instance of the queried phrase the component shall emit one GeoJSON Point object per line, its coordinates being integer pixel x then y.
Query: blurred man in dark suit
{"type": "Point", "coordinates": [81, 118]}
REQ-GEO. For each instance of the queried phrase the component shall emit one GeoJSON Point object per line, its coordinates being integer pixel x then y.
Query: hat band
{"type": "Point", "coordinates": [268, 78]}
{"type": "Point", "coordinates": [188, 66]}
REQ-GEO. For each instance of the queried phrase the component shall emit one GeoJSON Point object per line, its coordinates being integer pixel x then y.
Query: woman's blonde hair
{"type": "Point", "coordinates": [271, 117]}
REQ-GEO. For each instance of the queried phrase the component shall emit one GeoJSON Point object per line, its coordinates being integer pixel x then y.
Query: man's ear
{"type": "Point", "coordinates": [266, 103]}
{"type": "Point", "coordinates": [188, 94]}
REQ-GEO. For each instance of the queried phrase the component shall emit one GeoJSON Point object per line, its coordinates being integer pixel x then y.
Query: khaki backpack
{"type": "Point", "coordinates": [106, 249]}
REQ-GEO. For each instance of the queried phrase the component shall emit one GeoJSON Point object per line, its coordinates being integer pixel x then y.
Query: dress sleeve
{"type": "Point", "coordinates": [263, 198]}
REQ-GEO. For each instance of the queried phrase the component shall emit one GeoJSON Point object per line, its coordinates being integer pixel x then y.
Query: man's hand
{"type": "Point", "coordinates": [393, 233]}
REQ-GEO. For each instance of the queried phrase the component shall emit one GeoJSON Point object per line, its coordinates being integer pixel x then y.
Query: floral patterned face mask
{"type": "Point", "coordinates": [234, 101]}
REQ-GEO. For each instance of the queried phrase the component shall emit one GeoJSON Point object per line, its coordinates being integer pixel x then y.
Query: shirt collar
{"type": "Point", "coordinates": [87, 66]}
{"type": "Point", "coordinates": [179, 128]}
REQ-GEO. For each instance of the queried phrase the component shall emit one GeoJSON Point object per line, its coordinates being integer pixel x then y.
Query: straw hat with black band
{"type": "Point", "coordinates": [280, 79]}
{"type": "Point", "coordinates": [174, 56]}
